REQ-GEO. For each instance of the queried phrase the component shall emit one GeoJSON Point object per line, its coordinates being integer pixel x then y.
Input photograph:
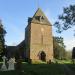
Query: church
{"type": "Point", "coordinates": [38, 42]}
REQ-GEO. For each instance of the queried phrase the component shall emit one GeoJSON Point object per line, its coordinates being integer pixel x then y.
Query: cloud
{"type": "Point", "coordinates": [70, 43]}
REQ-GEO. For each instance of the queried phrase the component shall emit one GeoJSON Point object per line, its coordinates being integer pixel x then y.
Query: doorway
{"type": "Point", "coordinates": [43, 56]}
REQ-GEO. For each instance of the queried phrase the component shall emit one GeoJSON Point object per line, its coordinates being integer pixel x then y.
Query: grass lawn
{"type": "Point", "coordinates": [38, 69]}
{"type": "Point", "coordinates": [64, 61]}
{"type": "Point", "coordinates": [71, 66]}
{"type": "Point", "coordinates": [41, 69]}
{"type": "Point", "coordinates": [69, 63]}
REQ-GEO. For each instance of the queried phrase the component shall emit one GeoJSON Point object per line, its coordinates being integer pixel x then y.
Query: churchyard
{"type": "Point", "coordinates": [42, 51]}
{"type": "Point", "coordinates": [58, 68]}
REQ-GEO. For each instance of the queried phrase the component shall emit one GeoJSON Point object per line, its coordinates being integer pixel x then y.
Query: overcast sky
{"type": "Point", "coordinates": [14, 15]}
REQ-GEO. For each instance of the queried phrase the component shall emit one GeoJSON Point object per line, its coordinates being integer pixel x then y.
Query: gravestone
{"type": "Point", "coordinates": [19, 64]}
{"type": "Point", "coordinates": [3, 67]}
{"type": "Point", "coordinates": [11, 63]}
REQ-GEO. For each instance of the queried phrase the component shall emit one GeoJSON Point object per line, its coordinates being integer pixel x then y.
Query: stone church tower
{"type": "Point", "coordinates": [38, 38]}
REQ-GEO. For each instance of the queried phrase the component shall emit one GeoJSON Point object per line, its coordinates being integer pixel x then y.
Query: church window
{"type": "Point", "coordinates": [42, 18]}
{"type": "Point", "coordinates": [39, 18]}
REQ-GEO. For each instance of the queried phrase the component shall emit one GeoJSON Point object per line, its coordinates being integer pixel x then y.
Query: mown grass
{"type": "Point", "coordinates": [44, 69]}
{"type": "Point", "coordinates": [64, 61]}
{"type": "Point", "coordinates": [71, 66]}
{"type": "Point", "coordinates": [37, 69]}
{"type": "Point", "coordinates": [41, 69]}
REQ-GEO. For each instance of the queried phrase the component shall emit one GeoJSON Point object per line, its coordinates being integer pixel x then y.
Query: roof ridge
{"type": "Point", "coordinates": [40, 16]}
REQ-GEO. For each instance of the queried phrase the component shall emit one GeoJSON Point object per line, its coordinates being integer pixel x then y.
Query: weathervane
{"type": "Point", "coordinates": [37, 3]}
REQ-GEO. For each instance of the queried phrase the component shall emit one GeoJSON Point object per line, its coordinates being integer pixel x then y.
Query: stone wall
{"type": "Point", "coordinates": [41, 40]}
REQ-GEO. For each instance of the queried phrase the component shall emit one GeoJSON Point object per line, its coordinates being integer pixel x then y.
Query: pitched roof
{"type": "Point", "coordinates": [22, 44]}
{"type": "Point", "coordinates": [39, 17]}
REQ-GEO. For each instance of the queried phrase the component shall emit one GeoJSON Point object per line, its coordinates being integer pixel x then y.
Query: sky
{"type": "Point", "coordinates": [14, 15]}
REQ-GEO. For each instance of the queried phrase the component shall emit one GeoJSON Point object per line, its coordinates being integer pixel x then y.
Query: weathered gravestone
{"type": "Point", "coordinates": [3, 67]}
{"type": "Point", "coordinates": [19, 64]}
{"type": "Point", "coordinates": [11, 63]}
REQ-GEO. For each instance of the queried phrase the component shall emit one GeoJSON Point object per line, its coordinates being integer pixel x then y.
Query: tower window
{"type": "Point", "coordinates": [37, 18]}
{"type": "Point", "coordinates": [42, 18]}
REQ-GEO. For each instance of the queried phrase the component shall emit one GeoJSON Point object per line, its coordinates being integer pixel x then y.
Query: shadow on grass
{"type": "Point", "coordinates": [71, 66]}
{"type": "Point", "coordinates": [40, 69]}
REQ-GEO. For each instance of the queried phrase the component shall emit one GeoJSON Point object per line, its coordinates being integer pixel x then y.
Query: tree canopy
{"type": "Point", "coordinates": [66, 20]}
{"type": "Point", "coordinates": [59, 48]}
{"type": "Point", "coordinates": [2, 40]}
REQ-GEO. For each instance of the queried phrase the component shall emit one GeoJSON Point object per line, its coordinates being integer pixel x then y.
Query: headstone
{"type": "Point", "coordinates": [3, 67]}
{"type": "Point", "coordinates": [11, 63]}
{"type": "Point", "coordinates": [19, 64]}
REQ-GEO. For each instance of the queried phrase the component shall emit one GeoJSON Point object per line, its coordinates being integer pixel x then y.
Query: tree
{"type": "Point", "coordinates": [2, 40]}
{"type": "Point", "coordinates": [66, 20]}
{"type": "Point", "coordinates": [59, 48]}
{"type": "Point", "coordinates": [68, 55]}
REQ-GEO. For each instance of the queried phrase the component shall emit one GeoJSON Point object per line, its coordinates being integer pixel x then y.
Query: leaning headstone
{"type": "Point", "coordinates": [3, 67]}
{"type": "Point", "coordinates": [11, 63]}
